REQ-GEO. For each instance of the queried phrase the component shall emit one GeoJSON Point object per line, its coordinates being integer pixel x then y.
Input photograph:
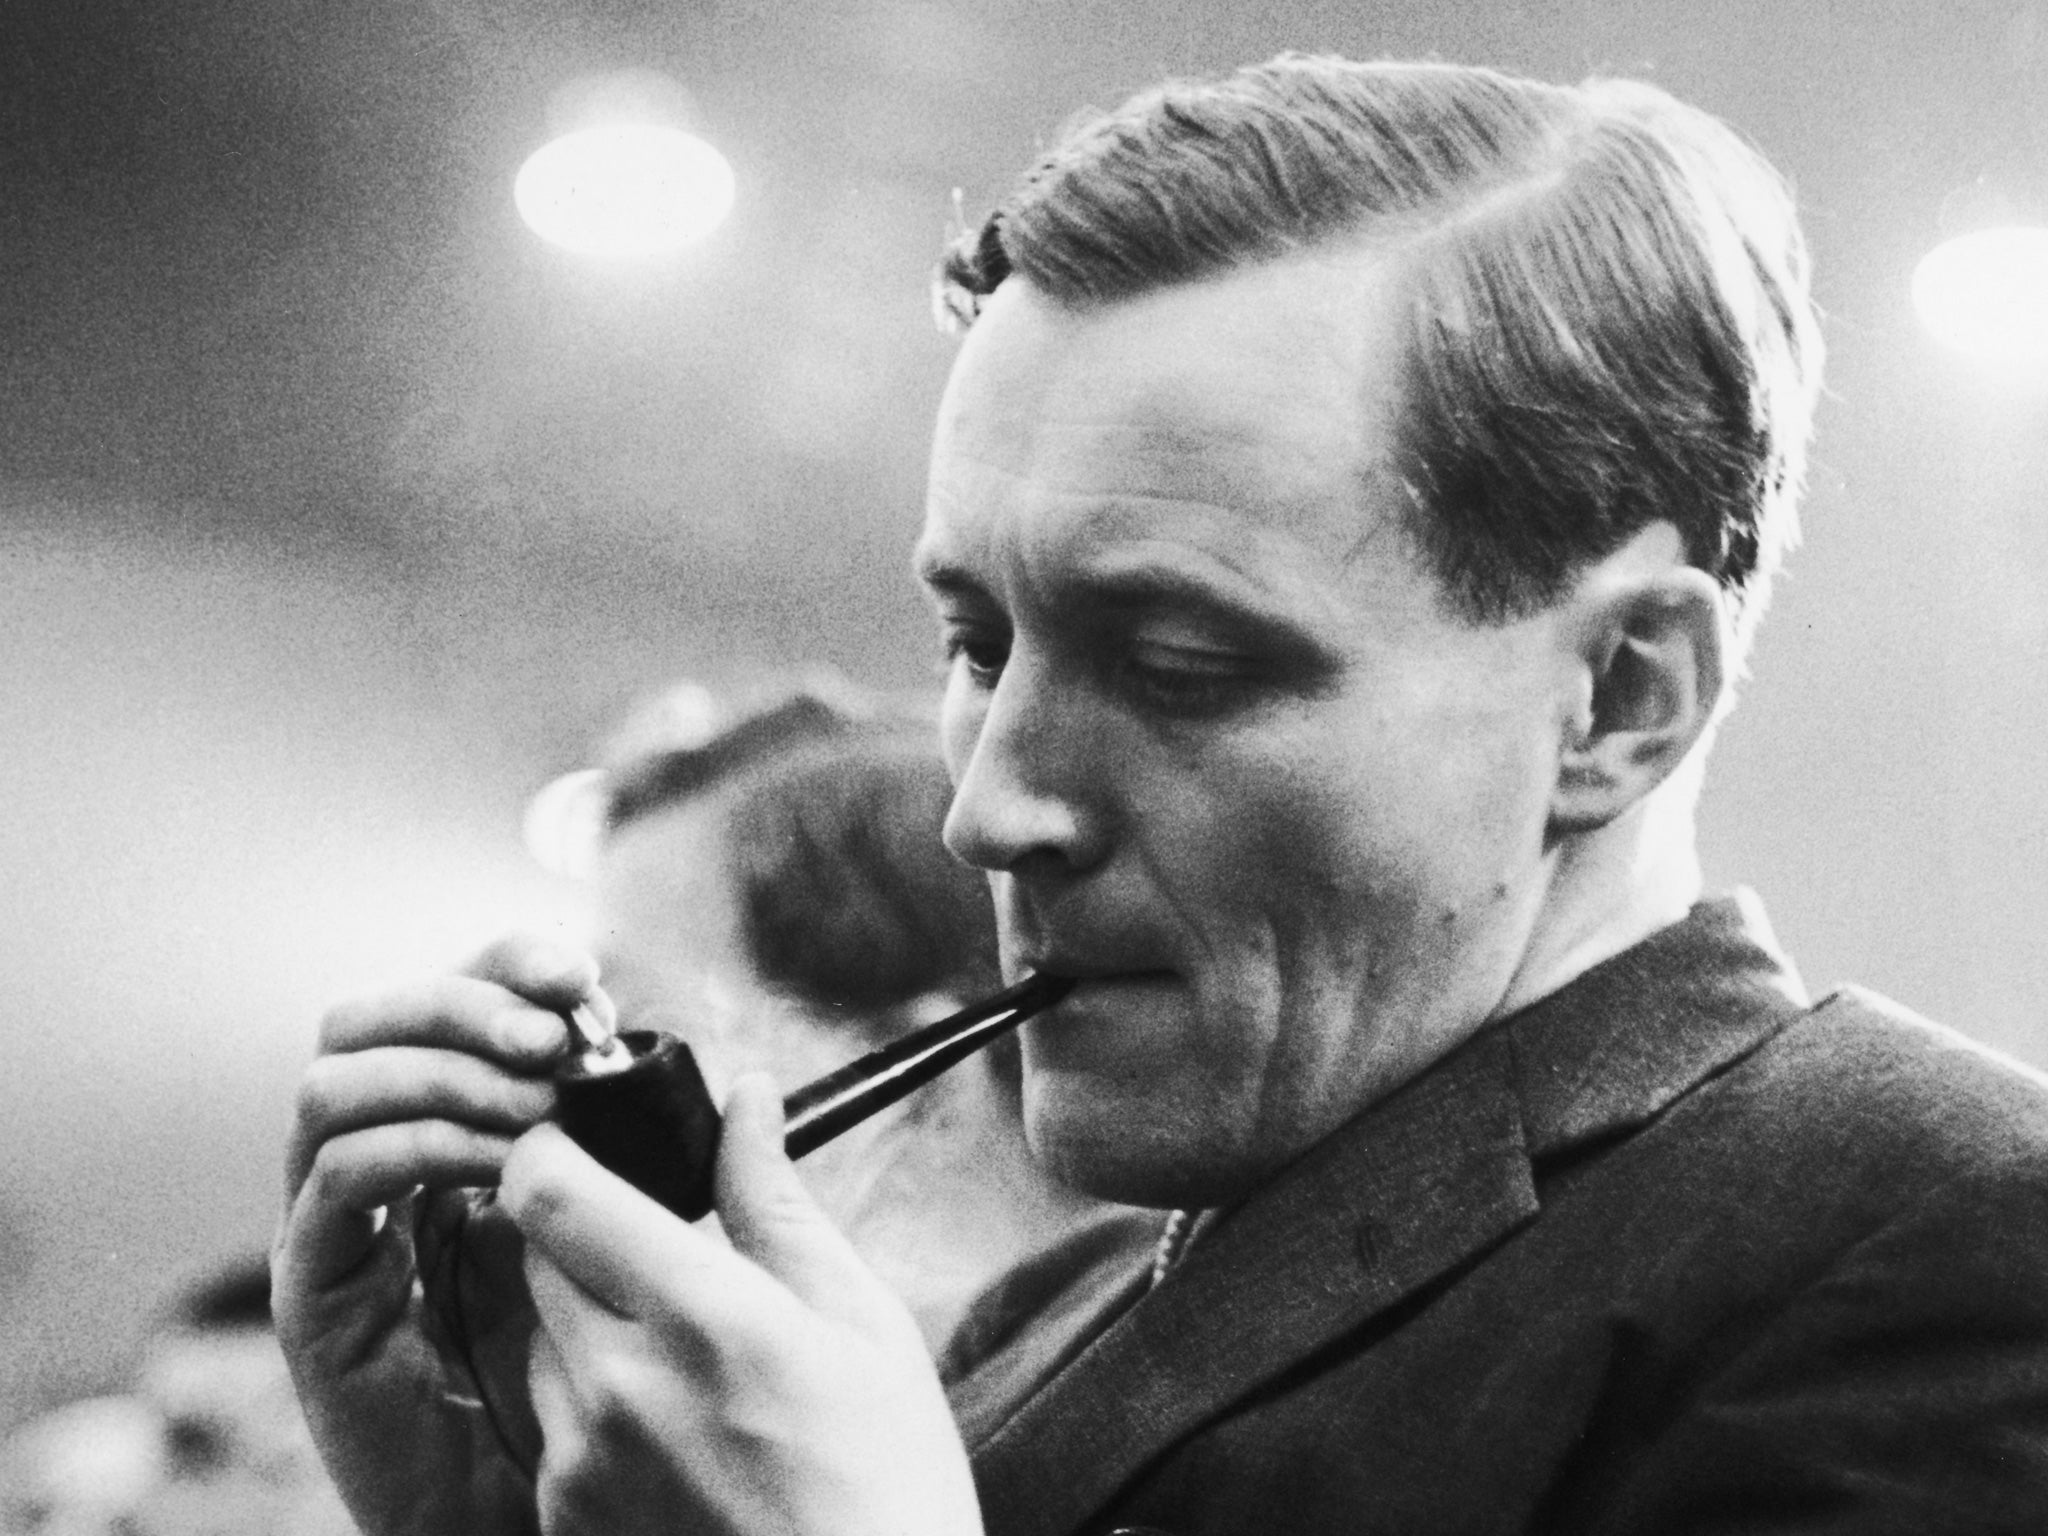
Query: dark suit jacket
{"type": "Point", "coordinates": [1670, 1251]}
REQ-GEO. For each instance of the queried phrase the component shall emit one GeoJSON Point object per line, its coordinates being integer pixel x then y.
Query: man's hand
{"type": "Point", "coordinates": [687, 1383]}
{"type": "Point", "coordinates": [425, 1089]}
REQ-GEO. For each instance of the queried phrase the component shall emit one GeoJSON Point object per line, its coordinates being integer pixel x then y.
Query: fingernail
{"type": "Point", "coordinates": [538, 1031]}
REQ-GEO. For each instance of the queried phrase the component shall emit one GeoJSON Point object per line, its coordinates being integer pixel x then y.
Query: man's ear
{"type": "Point", "coordinates": [1653, 648]}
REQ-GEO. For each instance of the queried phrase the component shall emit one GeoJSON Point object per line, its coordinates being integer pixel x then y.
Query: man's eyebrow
{"type": "Point", "coordinates": [944, 576]}
{"type": "Point", "coordinates": [1153, 588]}
{"type": "Point", "coordinates": [1161, 587]}
{"type": "Point", "coordinates": [1120, 593]}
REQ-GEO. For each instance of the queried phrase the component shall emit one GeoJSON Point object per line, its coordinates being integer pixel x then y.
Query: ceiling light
{"type": "Point", "coordinates": [624, 189]}
{"type": "Point", "coordinates": [1985, 294]}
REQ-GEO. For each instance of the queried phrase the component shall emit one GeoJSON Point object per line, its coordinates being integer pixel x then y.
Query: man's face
{"type": "Point", "coordinates": [1227, 757]}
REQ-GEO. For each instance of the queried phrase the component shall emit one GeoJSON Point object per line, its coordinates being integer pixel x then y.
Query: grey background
{"type": "Point", "coordinates": [337, 514]}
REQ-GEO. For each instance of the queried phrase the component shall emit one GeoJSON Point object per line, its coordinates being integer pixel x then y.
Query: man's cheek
{"type": "Point", "coordinates": [960, 714]}
{"type": "Point", "coordinates": [1294, 842]}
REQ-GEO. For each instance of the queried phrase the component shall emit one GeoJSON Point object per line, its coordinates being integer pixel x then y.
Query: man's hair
{"type": "Point", "coordinates": [234, 1294]}
{"type": "Point", "coordinates": [1604, 294]}
{"type": "Point", "coordinates": [847, 897]}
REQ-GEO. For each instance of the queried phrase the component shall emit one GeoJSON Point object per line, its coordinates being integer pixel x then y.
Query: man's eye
{"type": "Point", "coordinates": [1188, 682]}
{"type": "Point", "coordinates": [981, 655]}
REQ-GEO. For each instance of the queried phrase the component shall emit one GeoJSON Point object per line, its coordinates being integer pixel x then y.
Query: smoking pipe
{"type": "Point", "coordinates": [636, 1101]}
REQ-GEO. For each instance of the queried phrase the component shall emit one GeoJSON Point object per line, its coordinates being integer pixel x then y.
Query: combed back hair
{"type": "Point", "coordinates": [847, 898]}
{"type": "Point", "coordinates": [1603, 291]}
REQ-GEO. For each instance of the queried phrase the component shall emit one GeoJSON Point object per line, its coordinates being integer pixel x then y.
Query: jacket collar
{"type": "Point", "coordinates": [1427, 1179]}
{"type": "Point", "coordinates": [1613, 1049]}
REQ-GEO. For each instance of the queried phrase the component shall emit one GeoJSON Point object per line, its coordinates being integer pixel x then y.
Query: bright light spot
{"type": "Point", "coordinates": [564, 823]}
{"type": "Point", "coordinates": [1986, 294]}
{"type": "Point", "coordinates": [625, 189]}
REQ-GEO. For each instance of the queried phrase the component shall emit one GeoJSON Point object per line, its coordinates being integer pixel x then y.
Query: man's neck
{"type": "Point", "coordinates": [1610, 889]}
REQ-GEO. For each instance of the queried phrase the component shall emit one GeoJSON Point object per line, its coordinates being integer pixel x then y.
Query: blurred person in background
{"type": "Point", "coordinates": [209, 1441]}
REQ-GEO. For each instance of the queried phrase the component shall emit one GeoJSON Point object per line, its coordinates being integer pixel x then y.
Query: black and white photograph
{"type": "Point", "coordinates": [949, 768]}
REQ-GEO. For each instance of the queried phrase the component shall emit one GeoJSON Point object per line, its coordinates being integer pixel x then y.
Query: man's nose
{"type": "Point", "coordinates": [1030, 794]}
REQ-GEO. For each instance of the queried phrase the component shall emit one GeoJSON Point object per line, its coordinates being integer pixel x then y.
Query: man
{"type": "Point", "coordinates": [1348, 516]}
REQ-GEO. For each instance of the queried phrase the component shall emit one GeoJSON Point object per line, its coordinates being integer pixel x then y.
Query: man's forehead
{"type": "Point", "coordinates": [1114, 481]}
{"type": "Point", "coordinates": [1294, 349]}
{"type": "Point", "coordinates": [1230, 417]}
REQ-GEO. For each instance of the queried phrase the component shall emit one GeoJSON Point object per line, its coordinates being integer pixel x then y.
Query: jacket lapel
{"type": "Point", "coordinates": [1425, 1180]}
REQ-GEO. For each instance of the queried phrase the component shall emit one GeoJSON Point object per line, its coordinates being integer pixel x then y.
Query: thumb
{"type": "Point", "coordinates": [769, 1215]}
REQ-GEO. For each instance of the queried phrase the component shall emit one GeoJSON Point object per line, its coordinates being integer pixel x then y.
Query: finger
{"type": "Point", "coordinates": [459, 1013]}
{"type": "Point", "coordinates": [772, 1219]}
{"type": "Point", "coordinates": [553, 1392]}
{"type": "Point", "coordinates": [544, 970]}
{"type": "Point", "coordinates": [581, 1326]}
{"type": "Point", "coordinates": [491, 1250]}
{"type": "Point", "coordinates": [624, 1249]}
{"type": "Point", "coordinates": [336, 1285]}
{"type": "Point", "coordinates": [332, 1216]}
{"type": "Point", "coordinates": [598, 1380]}
{"type": "Point", "coordinates": [350, 1092]}
{"type": "Point", "coordinates": [565, 1437]}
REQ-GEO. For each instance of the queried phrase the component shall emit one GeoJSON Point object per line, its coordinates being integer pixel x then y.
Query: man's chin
{"type": "Point", "coordinates": [1124, 1151]}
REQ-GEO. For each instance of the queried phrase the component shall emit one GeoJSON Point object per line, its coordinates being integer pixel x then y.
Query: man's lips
{"type": "Point", "coordinates": [1093, 975]}
{"type": "Point", "coordinates": [1105, 1004]}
